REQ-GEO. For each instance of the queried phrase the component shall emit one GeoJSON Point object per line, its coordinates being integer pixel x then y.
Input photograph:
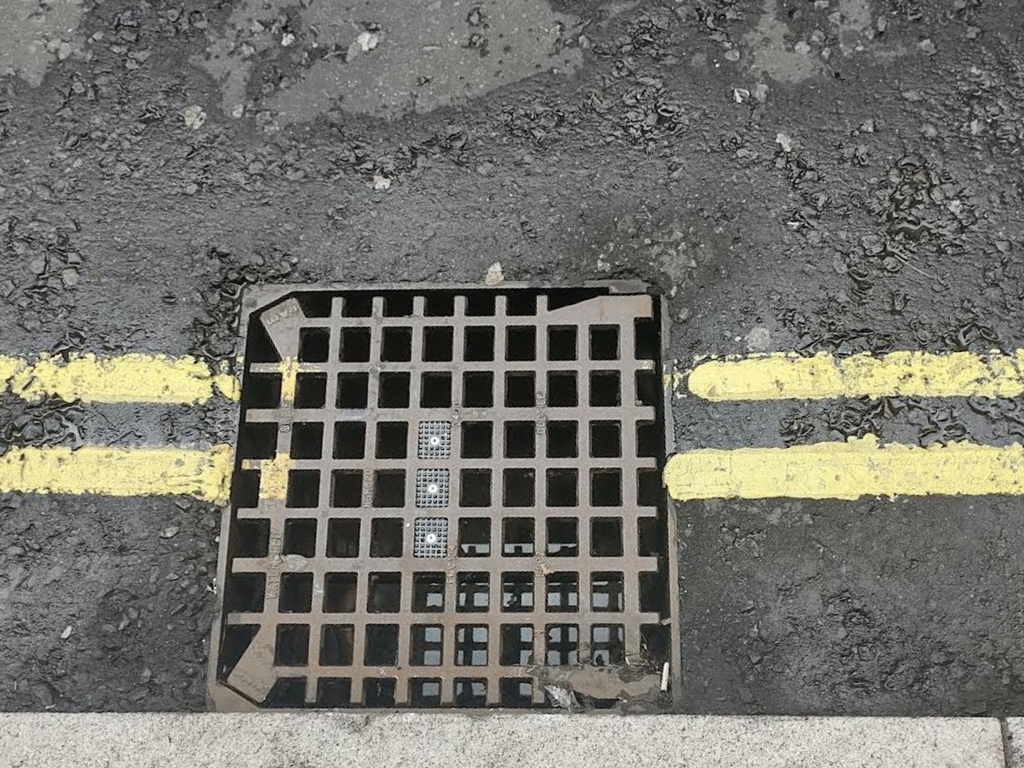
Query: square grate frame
{"type": "Point", "coordinates": [327, 596]}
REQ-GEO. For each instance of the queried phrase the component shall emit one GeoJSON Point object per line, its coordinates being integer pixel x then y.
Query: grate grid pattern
{"type": "Point", "coordinates": [532, 436]}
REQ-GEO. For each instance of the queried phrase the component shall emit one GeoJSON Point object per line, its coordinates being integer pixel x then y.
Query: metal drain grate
{"type": "Point", "coordinates": [445, 498]}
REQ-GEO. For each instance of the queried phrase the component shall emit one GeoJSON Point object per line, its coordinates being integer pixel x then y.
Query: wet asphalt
{"type": "Point", "coordinates": [839, 175]}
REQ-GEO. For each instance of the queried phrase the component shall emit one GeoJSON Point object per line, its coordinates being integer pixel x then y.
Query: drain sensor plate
{"type": "Point", "coordinates": [446, 498]}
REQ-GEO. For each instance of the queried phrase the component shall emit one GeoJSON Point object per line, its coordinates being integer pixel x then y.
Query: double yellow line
{"type": "Point", "coordinates": [131, 378]}
{"type": "Point", "coordinates": [117, 471]}
{"type": "Point", "coordinates": [840, 470]}
{"type": "Point", "coordinates": [857, 467]}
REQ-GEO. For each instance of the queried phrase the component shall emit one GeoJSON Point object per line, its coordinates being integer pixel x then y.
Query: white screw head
{"type": "Point", "coordinates": [433, 488]}
{"type": "Point", "coordinates": [434, 441]}
{"type": "Point", "coordinates": [431, 538]}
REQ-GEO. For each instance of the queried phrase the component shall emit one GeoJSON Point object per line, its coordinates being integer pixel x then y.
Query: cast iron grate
{"type": "Point", "coordinates": [443, 495]}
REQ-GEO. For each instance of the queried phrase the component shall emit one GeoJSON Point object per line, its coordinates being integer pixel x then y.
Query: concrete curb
{"type": "Point", "coordinates": [328, 740]}
{"type": "Point", "coordinates": [1015, 742]}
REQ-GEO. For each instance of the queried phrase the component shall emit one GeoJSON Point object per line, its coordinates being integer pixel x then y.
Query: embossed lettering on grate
{"type": "Point", "coordinates": [443, 496]}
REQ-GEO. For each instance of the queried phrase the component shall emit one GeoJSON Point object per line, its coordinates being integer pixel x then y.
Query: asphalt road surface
{"type": "Point", "coordinates": [827, 176]}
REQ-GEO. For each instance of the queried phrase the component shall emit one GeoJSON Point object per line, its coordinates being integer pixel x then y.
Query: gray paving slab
{"type": "Point", "coordinates": [327, 740]}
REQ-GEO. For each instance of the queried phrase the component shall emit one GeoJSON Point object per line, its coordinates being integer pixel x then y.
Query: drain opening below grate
{"type": "Point", "coordinates": [447, 498]}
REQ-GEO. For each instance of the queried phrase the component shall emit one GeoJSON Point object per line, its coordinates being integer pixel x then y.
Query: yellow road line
{"type": "Point", "coordinates": [10, 366]}
{"type": "Point", "coordinates": [858, 467]}
{"type": "Point", "coordinates": [131, 378]}
{"type": "Point", "coordinates": [781, 376]}
{"type": "Point", "coordinates": [289, 379]}
{"type": "Point", "coordinates": [204, 474]}
{"type": "Point", "coordinates": [273, 475]}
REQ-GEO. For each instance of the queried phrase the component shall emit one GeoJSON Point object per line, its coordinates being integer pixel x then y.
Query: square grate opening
{"type": "Point", "coordinates": [446, 498]}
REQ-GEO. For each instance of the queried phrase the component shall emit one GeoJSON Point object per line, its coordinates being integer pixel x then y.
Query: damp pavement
{"type": "Point", "coordinates": [838, 176]}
